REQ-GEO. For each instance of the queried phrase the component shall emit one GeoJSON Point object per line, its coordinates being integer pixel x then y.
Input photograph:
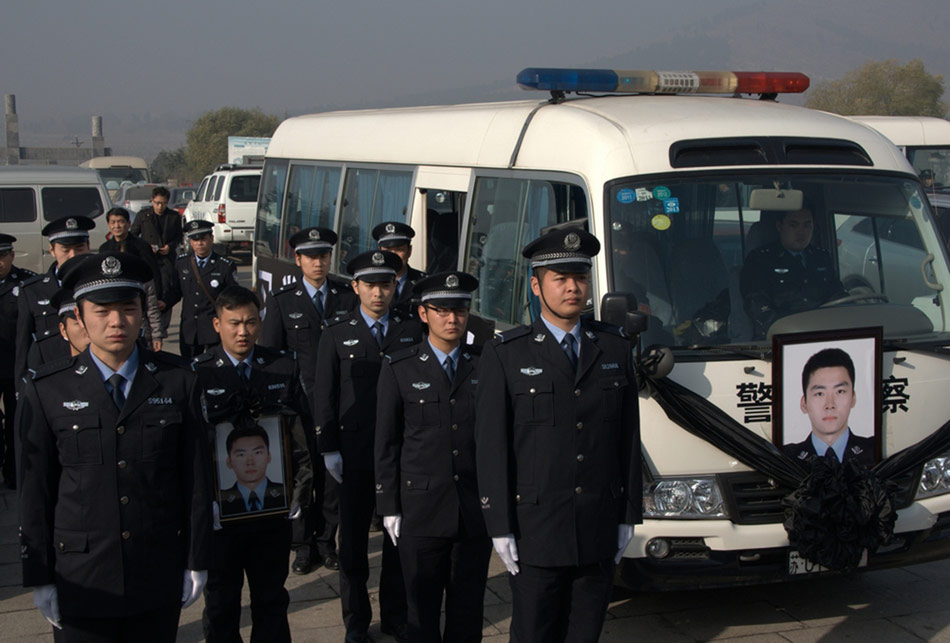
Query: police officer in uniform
{"type": "Point", "coordinates": [426, 485]}
{"type": "Point", "coordinates": [396, 237]}
{"type": "Point", "coordinates": [37, 321]}
{"type": "Point", "coordinates": [787, 276]}
{"type": "Point", "coordinates": [115, 503]}
{"type": "Point", "coordinates": [234, 376]}
{"type": "Point", "coordinates": [349, 358]}
{"type": "Point", "coordinates": [202, 275]}
{"type": "Point", "coordinates": [558, 449]}
{"type": "Point", "coordinates": [294, 321]}
{"type": "Point", "coordinates": [11, 280]}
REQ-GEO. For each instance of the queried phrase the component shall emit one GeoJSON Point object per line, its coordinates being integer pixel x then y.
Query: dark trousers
{"type": "Point", "coordinates": [357, 505]}
{"type": "Point", "coordinates": [325, 533]}
{"type": "Point", "coordinates": [8, 459]}
{"type": "Point", "coordinates": [263, 554]}
{"type": "Point", "coordinates": [158, 626]}
{"type": "Point", "coordinates": [317, 525]}
{"type": "Point", "coordinates": [554, 604]}
{"type": "Point", "coordinates": [456, 566]}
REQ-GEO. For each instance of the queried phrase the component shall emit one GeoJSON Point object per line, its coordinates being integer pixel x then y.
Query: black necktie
{"type": "Point", "coordinates": [118, 397]}
{"type": "Point", "coordinates": [567, 345]}
{"type": "Point", "coordinates": [378, 333]}
{"type": "Point", "coordinates": [318, 302]}
{"type": "Point", "coordinates": [449, 367]}
{"type": "Point", "coordinates": [243, 371]}
{"type": "Point", "coordinates": [201, 264]}
{"type": "Point", "coordinates": [253, 502]}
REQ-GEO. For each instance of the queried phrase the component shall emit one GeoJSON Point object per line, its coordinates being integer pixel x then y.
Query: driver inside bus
{"type": "Point", "coordinates": [788, 276]}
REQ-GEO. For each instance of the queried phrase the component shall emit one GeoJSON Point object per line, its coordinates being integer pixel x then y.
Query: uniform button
{"type": "Point", "coordinates": [452, 401]}
{"type": "Point", "coordinates": [62, 547]}
{"type": "Point", "coordinates": [382, 354]}
{"type": "Point", "coordinates": [126, 534]}
{"type": "Point", "coordinates": [577, 392]}
{"type": "Point", "coordinates": [455, 477]}
{"type": "Point", "coordinates": [120, 430]}
{"type": "Point", "coordinates": [580, 425]}
{"type": "Point", "coordinates": [455, 451]}
{"type": "Point", "coordinates": [124, 500]}
{"type": "Point", "coordinates": [578, 490]}
{"type": "Point", "coordinates": [408, 483]}
{"type": "Point", "coordinates": [75, 427]}
{"type": "Point", "coordinates": [580, 457]}
{"type": "Point", "coordinates": [122, 464]}
{"type": "Point", "coordinates": [351, 355]}
{"type": "Point", "coordinates": [531, 390]}
{"type": "Point", "coordinates": [517, 497]}
{"type": "Point", "coordinates": [455, 427]}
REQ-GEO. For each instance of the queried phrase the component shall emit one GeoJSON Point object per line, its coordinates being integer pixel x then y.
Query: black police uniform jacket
{"type": "Point", "coordinates": [292, 321]}
{"type": "Point", "coordinates": [37, 321]}
{"type": "Point", "coordinates": [774, 283]}
{"type": "Point", "coordinates": [197, 310]}
{"type": "Point", "coordinates": [857, 448]}
{"type": "Point", "coordinates": [425, 443]}
{"type": "Point", "coordinates": [10, 289]}
{"type": "Point", "coordinates": [114, 506]}
{"type": "Point", "coordinates": [403, 304]}
{"type": "Point", "coordinates": [232, 502]}
{"type": "Point", "coordinates": [274, 383]}
{"type": "Point", "coordinates": [348, 365]}
{"type": "Point", "coordinates": [558, 453]}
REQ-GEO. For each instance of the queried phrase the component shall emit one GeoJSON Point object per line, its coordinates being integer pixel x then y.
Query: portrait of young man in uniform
{"type": "Point", "coordinates": [115, 497]}
{"type": "Point", "coordinates": [558, 449]}
{"type": "Point", "coordinates": [248, 458]}
{"type": "Point", "coordinates": [426, 487]}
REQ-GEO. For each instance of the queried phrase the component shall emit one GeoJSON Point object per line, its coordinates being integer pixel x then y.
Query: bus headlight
{"type": "Point", "coordinates": [935, 478]}
{"type": "Point", "coordinates": [683, 498]}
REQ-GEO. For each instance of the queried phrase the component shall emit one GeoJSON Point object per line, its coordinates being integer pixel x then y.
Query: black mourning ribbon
{"type": "Point", "coordinates": [836, 510]}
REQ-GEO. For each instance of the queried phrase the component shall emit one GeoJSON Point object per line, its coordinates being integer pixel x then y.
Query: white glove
{"type": "Point", "coordinates": [334, 463]}
{"type": "Point", "coordinates": [47, 602]}
{"type": "Point", "coordinates": [624, 536]}
{"type": "Point", "coordinates": [215, 516]}
{"type": "Point", "coordinates": [393, 525]}
{"type": "Point", "coordinates": [295, 512]}
{"type": "Point", "coordinates": [192, 587]}
{"type": "Point", "coordinates": [508, 552]}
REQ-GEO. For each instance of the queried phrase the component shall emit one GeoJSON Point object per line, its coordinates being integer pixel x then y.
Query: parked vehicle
{"type": "Point", "coordinates": [117, 170]}
{"type": "Point", "coordinates": [228, 198]}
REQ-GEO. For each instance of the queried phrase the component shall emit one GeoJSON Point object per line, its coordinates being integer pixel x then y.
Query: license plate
{"type": "Point", "coordinates": [798, 564]}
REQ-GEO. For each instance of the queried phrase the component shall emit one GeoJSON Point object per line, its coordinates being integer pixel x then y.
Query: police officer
{"type": "Point", "coordinates": [234, 376]}
{"type": "Point", "coordinates": [348, 363]}
{"type": "Point", "coordinates": [11, 281]}
{"type": "Point", "coordinates": [787, 276]}
{"type": "Point", "coordinates": [115, 502]}
{"type": "Point", "coordinates": [36, 319]}
{"type": "Point", "coordinates": [202, 275]}
{"type": "Point", "coordinates": [426, 485]}
{"type": "Point", "coordinates": [558, 449]}
{"type": "Point", "coordinates": [294, 321]}
{"type": "Point", "coordinates": [396, 237]}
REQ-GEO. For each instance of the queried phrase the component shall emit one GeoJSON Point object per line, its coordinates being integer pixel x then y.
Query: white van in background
{"type": "Point", "coordinates": [32, 196]}
{"type": "Point", "coordinates": [117, 171]}
{"type": "Point", "coordinates": [228, 198]}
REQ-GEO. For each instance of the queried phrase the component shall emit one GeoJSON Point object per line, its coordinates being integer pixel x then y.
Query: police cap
{"type": "Point", "coordinates": [446, 289]}
{"type": "Point", "coordinates": [564, 250]}
{"type": "Point", "coordinates": [6, 243]}
{"type": "Point", "coordinates": [197, 228]}
{"type": "Point", "coordinates": [64, 302]}
{"type": "Point", "coordinates": [69, 230]}
{"type": "Point", "coordinates": [106, 277]}
{"type": "Point", "coordinates": [313, 241]}
{"type": "Point", "coordinates": [374, 266]}
{"type": "Point", "coordinates": [393, 233]}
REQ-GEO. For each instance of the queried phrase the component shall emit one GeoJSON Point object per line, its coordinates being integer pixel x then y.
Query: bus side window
{"type": "Point", "coordinates": [269, 207]}
{"type": "Point", "coordinates": [370, 197]}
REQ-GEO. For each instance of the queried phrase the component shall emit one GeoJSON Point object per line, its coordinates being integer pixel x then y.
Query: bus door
{"type": "Point", "coordinates": [438, 204]}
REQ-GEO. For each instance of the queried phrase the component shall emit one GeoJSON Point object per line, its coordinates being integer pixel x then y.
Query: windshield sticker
{"type": "Point", "coordinates": [661, 192]}
{"type": "Point", "coordinates": [661, 222]}
{"type": "Point", "coordinates": [671, 206]}
{"type": "Point", "coordinates": [626, 195]}
{"type": "Point", "coordinates": [755, 401]}
{"type": "Point", "coordinates": [644, 194]}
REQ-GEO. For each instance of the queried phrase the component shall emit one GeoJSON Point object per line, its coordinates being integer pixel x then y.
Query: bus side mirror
{"type": "Point", "coordinates": [620, 309]}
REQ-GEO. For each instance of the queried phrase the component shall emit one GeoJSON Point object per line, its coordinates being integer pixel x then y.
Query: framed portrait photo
{"type": "Point", "coordinates": [826, 394]}
{"type": "Point", "coordinates": [252, 468]}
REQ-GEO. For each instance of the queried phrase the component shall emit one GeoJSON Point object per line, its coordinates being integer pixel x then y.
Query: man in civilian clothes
{"type": "Point", "coordinates": [426, 485]}
{"type": "Point", "coordinates": [351, 351]}
{"type": "Point", "coordinates": [161, 228]}
{"type": "Point", "coordinates": [115, 499]}
{"type": "Point", "coordinates": [558, 449]}
{"type": "Point", "coordinates": [294, 321]}
{"type": "Point", "coordinates": [396, 237]}
{"type": "Point", "coordinates": [202, 275]}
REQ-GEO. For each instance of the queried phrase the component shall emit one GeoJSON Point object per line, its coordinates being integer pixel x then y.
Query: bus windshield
{"type": "Point", "coordinates": [716, 261]}
{"type": "Point", "coordinates": [932, 165]}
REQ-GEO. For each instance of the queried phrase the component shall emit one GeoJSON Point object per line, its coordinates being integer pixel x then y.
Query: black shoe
{"type": "Point", "coordinates": [331, 561]}
{"type": "Point", "coordinates": [399, 631]}
{"type": "Point", "coordinates": [302, 564]}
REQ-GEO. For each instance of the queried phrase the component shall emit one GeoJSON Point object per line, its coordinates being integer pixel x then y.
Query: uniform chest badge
{"type": "Point", "coordinates": [295, 315]}
{"type": "Point", "coordinates": [46, 280]}
{"type": "Point", "coordinates": [539, 337]}
{"type": "Point", "coordinates": [352, 322]}
{"type": "Point", "coordinates": [273, 493]}
{"type": "Point", "coordinates": [351, 342]}
{"type": "Point", "coordinates": [781, 271]}
{"type": "Point", "coordinates": [160, 400]}
{"type": "Point", "coordinates": [466, 356]}
{"type": "Point", "coordinates": [43, 302]}
{"type": "Point", "coordinates": [802, 455]}
{"type": "Point", "coordinates": [591, 336]}
{"type": "Point", "coordinates": [531, 371]}
{"type": "Point", "coordinates": [424, 357]}
{"type": "Point", "coordinates": [219, 363]}
{"type": "Point", "coordinates": [405, 340]}
{"type": "Point", "coordinates": [216, 391]}
{"type": "Point", "coordinates": [75, 405]}
{"type": "Point", "coordinates": [215, 283]}
{"type": "Point", "coordinates": [421, 386]}
{"type": "Point", "coordinates": [276, 387]}
{"type": "Point", "coordinates": [261, 360]}
{"type": "Point", "coordinates": [16, 291]}
{"type": "Point", "coordinates": [856, 450]}
{"type": "Point", "coordinates": [151, 368]}
{"type": "Point", "coordinates": [82, 370]}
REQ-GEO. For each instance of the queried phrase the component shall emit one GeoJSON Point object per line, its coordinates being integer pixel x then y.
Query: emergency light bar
{"type": "Point", "coordinates": [636, 81]}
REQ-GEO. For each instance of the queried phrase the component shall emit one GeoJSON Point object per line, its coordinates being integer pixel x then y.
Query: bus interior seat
{"type": "Point", "coordinates": [641, 273]}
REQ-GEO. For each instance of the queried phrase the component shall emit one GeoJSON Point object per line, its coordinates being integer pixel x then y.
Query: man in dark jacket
{"type": "Point", "coordinates": [161, 228]}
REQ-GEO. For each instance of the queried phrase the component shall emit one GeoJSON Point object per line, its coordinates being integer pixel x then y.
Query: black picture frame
{"type": "Point", "coordinates": [277, 480]}
{"type": "Point", "coordinates": [793, 417]}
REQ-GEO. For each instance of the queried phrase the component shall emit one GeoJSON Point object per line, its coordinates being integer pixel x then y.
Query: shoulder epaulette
{"type": "Point", "coordinates": [335, 320]}
{"type": "Point", "coordinates": [53, 367]}
{"type": "Point", "coordinates": [514, 333]}
{"type": "Point", "coordinates": [604, 327]}
{"type": "Point", "coordinates": [227, 260]}
{"type": "Point", "coordinates": [402, 354]}
{"type": "Point", "coordinates": [200, 359]}
{"type": "Point", "coordinates": [184, 255]}
{"type": "Point", "coordinates": [23, 274]}
{"type": "Point", "coordinates": [33, 279]}
{"type": "Point", "coordinates": [472, 349]}
{"type": "Point", "coordinates": [292, 286]}
{"type": "Point", "coordinates": [165, 358]}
